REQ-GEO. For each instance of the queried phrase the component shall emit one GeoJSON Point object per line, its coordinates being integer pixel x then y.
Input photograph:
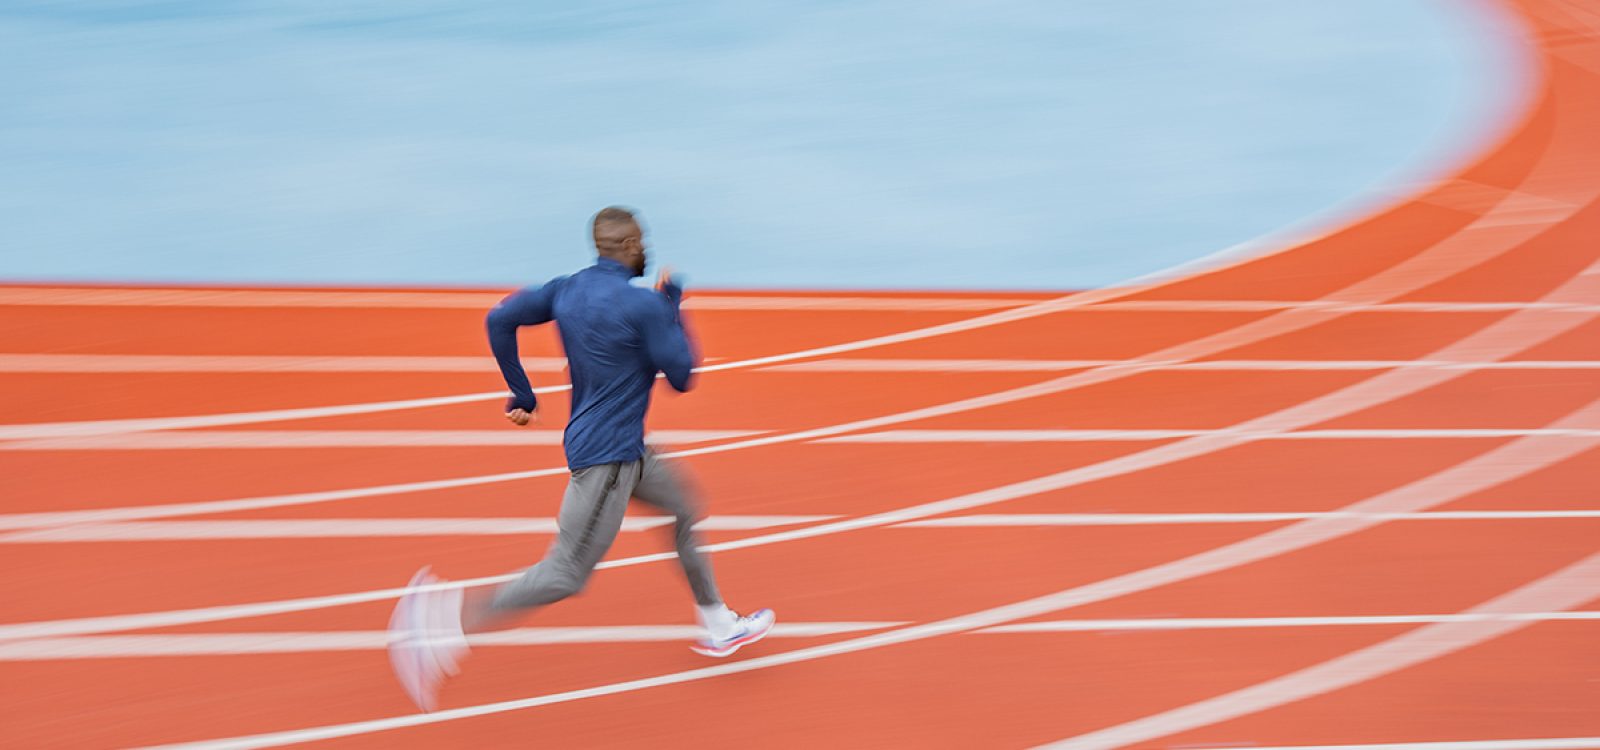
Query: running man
{"type": "Point", "coordinates": [617, 337]}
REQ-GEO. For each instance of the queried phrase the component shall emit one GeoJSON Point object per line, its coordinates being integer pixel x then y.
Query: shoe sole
{"type": "Point", "coordinates": [736, 645]}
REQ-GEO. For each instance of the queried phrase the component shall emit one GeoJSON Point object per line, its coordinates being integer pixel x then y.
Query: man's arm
{"type": "Point", "coordinates": [528, 307]}
{"type": "Point", "coordinates": [665, 340]}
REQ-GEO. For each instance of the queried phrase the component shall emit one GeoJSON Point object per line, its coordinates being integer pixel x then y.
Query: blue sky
{"type": "Point", "coordinates": [870, 144]}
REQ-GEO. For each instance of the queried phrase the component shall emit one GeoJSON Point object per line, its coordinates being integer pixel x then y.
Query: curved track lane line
{"type": "Point", "coordinates": [1569, 587]}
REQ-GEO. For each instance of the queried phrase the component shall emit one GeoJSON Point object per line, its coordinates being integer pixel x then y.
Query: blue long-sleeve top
{"type": "Point", "coordinates": [617, 337]}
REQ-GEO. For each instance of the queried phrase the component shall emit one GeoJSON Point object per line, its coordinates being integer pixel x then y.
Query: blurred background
{"type": "Point", "coordinates": [873, 144]}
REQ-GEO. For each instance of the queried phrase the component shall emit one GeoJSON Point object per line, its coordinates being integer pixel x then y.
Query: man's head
{"type": "Point", "coordinates": [618, 236]}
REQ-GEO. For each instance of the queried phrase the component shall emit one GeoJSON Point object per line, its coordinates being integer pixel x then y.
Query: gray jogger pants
{"type": "Point", "coordinates": [591, 515]}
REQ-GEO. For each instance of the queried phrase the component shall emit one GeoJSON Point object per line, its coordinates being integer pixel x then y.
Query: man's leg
{"type": "Point", "coordinates": [427, 633]}
{"type": "Point", "coordinates": [661, 486]}
{"type": "Point", "coordinates": [591, 514]}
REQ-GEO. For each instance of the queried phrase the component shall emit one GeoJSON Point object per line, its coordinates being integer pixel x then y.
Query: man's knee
{"type": "Point", "coordinates": [566, 583]}
{"type": "Point", "coordinates": [543, 585]}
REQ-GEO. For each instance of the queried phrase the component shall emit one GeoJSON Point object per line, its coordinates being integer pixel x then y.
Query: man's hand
{"type": "Point", "coordinates": [521, 418]}
{"type": "Point", "coordinates": [669, 287]}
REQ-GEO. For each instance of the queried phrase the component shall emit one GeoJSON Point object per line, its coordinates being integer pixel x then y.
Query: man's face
{"type": "Point", "coordinates": [633, 255]}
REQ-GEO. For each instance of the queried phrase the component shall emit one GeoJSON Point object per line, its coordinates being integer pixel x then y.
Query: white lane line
{"type": "Point", "coordinates": [1571, 586]}
{"type": "Point", "coordinates": [1231, 623]}
{"type": "Point", "coordinates": [144, 424]}
{"type": "Point", "coordinates": [144, 531]}
{"type": "Point", "coordinates": [471, 300]}
{"type": "Point", "coordinates": [290, 439]}
{"type": "Point", "coordinates": [254, 439]}
{"type": "Point", "coordinates": [130, 513]}
{"type": "Point", "coordinates": [190, 363]}
{"type": "Point", "coordinates": [854, 304]}
{"type": "Point", "coordinates": [844, 364]}
{"type": "Point", "coordinates": [1012, 520]}
{"type": "Point", "coordinates": [258, 363]}
{"type": "Point", "coordinates": [225, 644]}
{"type": "Point", "coordinates": [1068, 436]}
{"type": "Point", "coordinates": [304, 528]}
{"type": "Point", "coordinates": [1403, 307]}
{"type": "Point", "coordinates": [229, 644]}
{"type": "Point", "coordinates": [1547, 743]}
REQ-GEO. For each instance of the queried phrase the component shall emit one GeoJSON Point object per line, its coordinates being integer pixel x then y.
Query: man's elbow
{"type": "Point", "coordinates": [498, 319]}
{"type": "Point", "coordinates": [681, 380]}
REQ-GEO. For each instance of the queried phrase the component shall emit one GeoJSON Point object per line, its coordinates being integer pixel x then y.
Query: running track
{"type": "Point", "coordinates": [1340, 493]}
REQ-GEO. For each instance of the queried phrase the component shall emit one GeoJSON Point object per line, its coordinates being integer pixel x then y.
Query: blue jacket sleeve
{"type": "Point", "coordinates": [528, 307]}
{"type": "Point", "coordinates": [670, 349]}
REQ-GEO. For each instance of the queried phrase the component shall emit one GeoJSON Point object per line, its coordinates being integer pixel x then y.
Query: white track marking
{"type": "Point", "coordinates": [1497, 466]}
{"type": "Point", "coordinates": [1073, 436]}
{"type": "Point", "coordinates": [469, 300]}
{"type": "Point", "coordinates": [270, 439]}
{"type": "Point", "coordinates": [166, 363]}
{"type": "Point", "coordinates": [1231, 623]}
{"type": "Point", "coordinates": [257, 439]}
{"type": "Point", "coordinates": [107, 515]}
{"type": "Point", "coordinates": [304, 528]}
{"type": "Point", "coordinates": [1022, 520]}
{"type": "Point", "coordinates": [854, 304]}
{"type": "Point", "coordinates": [1382, 307]}
{"type": "Point", "coordinates": [309, 528]}
{"type": "Point", "coordinates": [190, 363]}
{"type": "Point", "coordinates": [1243, 365]}
{"type": "Point", "coordinates": [144, 424]}
{"type": "Point", "coordinates": [1569, 587]}
{"type": "Point", "coordinates": [1548, 743]}
{"type": "Point", "coordinates": [227, 644]}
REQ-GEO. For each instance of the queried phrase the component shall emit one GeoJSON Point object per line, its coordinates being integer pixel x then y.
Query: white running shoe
{"type": "Point", "coordinates": [412, 667]}
{"type": "Point", "coordinates": [425, 639]}
{"type": "Point", "coordinates": [749, 629]}
{"type": "Point", "coordinates": [441, 623]}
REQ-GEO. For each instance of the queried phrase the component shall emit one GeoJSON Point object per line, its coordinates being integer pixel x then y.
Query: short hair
{"type": "Point", "coordinates": [613, 215]}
